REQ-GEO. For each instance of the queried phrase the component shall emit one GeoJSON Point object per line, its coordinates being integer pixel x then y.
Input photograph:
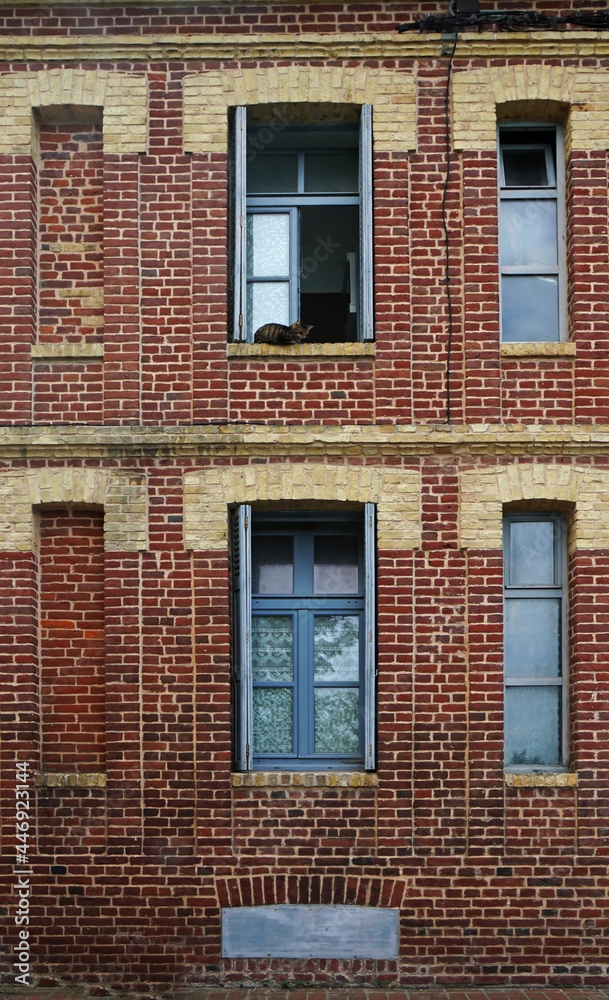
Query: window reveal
{"type": "Point", "coordinates": [531, 233]}
{"type": "Point", "coordinates": [304, 643]}
{"type": "Point", "coordinates": [301, 228]}
{"type": "Point", "coordinates": [535, 641]}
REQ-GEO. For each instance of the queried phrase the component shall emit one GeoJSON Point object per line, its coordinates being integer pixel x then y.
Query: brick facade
{"type": "Point", "coordinates": [131, 426]}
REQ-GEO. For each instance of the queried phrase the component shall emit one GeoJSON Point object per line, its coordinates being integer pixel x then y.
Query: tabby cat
{"type": "Point", "coordinates": [277, 333]}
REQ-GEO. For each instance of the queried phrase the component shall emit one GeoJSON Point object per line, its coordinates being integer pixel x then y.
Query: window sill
{"type": "Point", "coordinates": [540, 779]}
{"type": "Point", "coordinates": [61, 779]}
{"type": "Point", "coordinates": [67, 352]}
{"type": "Point", "coordinates": [350, 350]}
{"type": "Point", "coordinates": [304, 779]}
{"type": "Point", "coordinates": [536, 349]}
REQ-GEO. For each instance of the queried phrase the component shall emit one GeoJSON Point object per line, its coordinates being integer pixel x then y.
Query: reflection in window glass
{"type": "Point", "coordinates": [529, 233]}
{"type": "Point", "coordinates": [532, 637]}
{"type": "Point", "coordinates": [336, 721]}
{"type": "Point", "coordinates": [529, 308]}
{"type": "Point", "coordinates": [531, 553]}
{"type": "Point", "coordinates": [532, 726]}
{"type": "Point", "coordinates": [336, 648]}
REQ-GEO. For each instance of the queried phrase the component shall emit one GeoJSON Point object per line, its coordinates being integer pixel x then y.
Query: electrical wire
{"type": "Point", "coordinates": [513, 20]}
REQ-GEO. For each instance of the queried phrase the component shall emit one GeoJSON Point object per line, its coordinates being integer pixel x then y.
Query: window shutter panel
{"type": "Point", "coordinates": [237, 224]}
{"type": "Point", "coordinates": [370, 625]}
{"type": "Point", "coordinates": [366, 297]}
{"type": "Point", "coordinates": [242, 619]}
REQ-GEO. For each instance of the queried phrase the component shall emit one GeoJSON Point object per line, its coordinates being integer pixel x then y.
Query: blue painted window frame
{"type": "Point", "coordinates": [555, 590]}
{"type": "Point", "coordinates": [241, 204]}
{"type": "Point", "coordinates": [303, 607]}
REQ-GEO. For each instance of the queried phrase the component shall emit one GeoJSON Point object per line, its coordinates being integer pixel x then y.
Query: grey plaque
{"type": "Point", "coordinates": [291, 931]}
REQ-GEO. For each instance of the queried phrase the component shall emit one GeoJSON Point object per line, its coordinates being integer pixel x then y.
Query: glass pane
{"type": "Point", "coordinates": [273, 720]}
{"type": "Point", "coordinates": [267, 302]}
{"type": "Point", "coordinates": [529, 308]}
{"type": "Point", "coordinates": [335, 568]}
{"type": "Point", "coordinates": [525, 167]}
{"type": "Point", "coordinates": [332, 172]}
{"type": "Point", "coordinates": [336, 721]}
{"type": "Point", "coordinates": [272, 564]}
{"type": "Point", "coordinates": [532, 726]}
{"type": "Point", "coordinates": [531, 553]}
{"type": "Point", "coordinates": [274, 173]}
{"type": "Point", "coordinates": [529, 233]}
{"type": "Point", "coordinates": [268, 245]}
{"type": "Point", "coordinates": [272, 648]}
{"type": "Point", "coordinates": [532, 638]}
{"type": "Point", "coordinates": [336, 648]}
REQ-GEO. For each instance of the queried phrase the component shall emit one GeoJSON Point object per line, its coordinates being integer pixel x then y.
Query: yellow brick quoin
{"type": "Point", "coordinates": [208, 492]}
{"type": "Point", "coordinates": [123, 97]}
{"type": "Point", "coordinates": [207, 96]}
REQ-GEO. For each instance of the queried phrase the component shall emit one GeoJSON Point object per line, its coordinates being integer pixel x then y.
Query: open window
{"type": "Point", "coordinates": [531, 233]}
{"type": "Point", "coordinates": [535, 641]}
{"type": "Point", "coordinates": [301, 224]}
{"type": "Point", "coordinates": [304, 639]}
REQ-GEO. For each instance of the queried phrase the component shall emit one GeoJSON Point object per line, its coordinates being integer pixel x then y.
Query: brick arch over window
{"type": "Point", "coordinates": [476, 94]}
{"type": "Point", "coordinates": [122, 496]}
{"type": "Point", "coordinates": [337, 890]}
{"type": "Point", "coordinates": [485, 492]}
{"type": "Point", "coordinates": [207, 96]}
{"type": "Point", "coordinates": [123, 97]}
{"type": "Point", "coordinates": [208, 492]}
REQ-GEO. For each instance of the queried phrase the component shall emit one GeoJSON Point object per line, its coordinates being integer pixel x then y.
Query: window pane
{"type": "Point", "coordinates": [335, 569]}
{"type": "Point", "coordinates": [336, 721]}
{"type": "Point", "coordinates": [525, 167]}
{"type": "Point", "coordinates": [332, 172]}
{"type": "Point", "coordinates": [267, 302]}
{"type": "Point", "coordinates": [529, 233]}
{"type": "Point", "coordinates": [531, 553]}
{"type": "Point", "coordinates": [529, 308]}
{"type": "Point", "coordinates": [532, 638]}
{"type": "Point", "coordinates": [271, 173]}
{"type": "Point", "coordinates": [336, 648]}
{"type": "Point", "coordinates": [272, 564]}
{"type": "Point", "coordinates": [532, 726]}
{"type": "Point", "coordinates": [273, 720]}
{"type": "Point", "coordinates": [272, 648]}
{"type": "Point", "coordinates": [268, 245]}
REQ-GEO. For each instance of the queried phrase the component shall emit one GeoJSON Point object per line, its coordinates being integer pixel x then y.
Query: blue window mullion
{"type": "Point", "coordinates": [304, 682]}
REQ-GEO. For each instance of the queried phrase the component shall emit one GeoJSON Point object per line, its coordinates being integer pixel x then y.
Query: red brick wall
{"type": "Point", "coordinates": [72, 685]}
{"type": "Point", "coordinates": [120, 662]}
{"type": "Point", "coordinates": [70, 230]}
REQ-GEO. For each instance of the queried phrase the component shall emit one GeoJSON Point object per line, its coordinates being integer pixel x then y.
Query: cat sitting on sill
{"type": "Point", "coordinates": [277, 333]}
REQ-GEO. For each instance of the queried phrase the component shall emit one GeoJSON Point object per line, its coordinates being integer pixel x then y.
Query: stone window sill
{"type": "Point", "coordinates": [61, 779]}
{"type": "Point", "coordinates": [304, 351]}
{"type": "Point", "coordinates": [541, 779]}
{"type": "Point", "coordinates": [304, 779]}
{"type": "Point", "coordinates": [538, 350]}
{"type": "Point", "coordinates": [67, 352]}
